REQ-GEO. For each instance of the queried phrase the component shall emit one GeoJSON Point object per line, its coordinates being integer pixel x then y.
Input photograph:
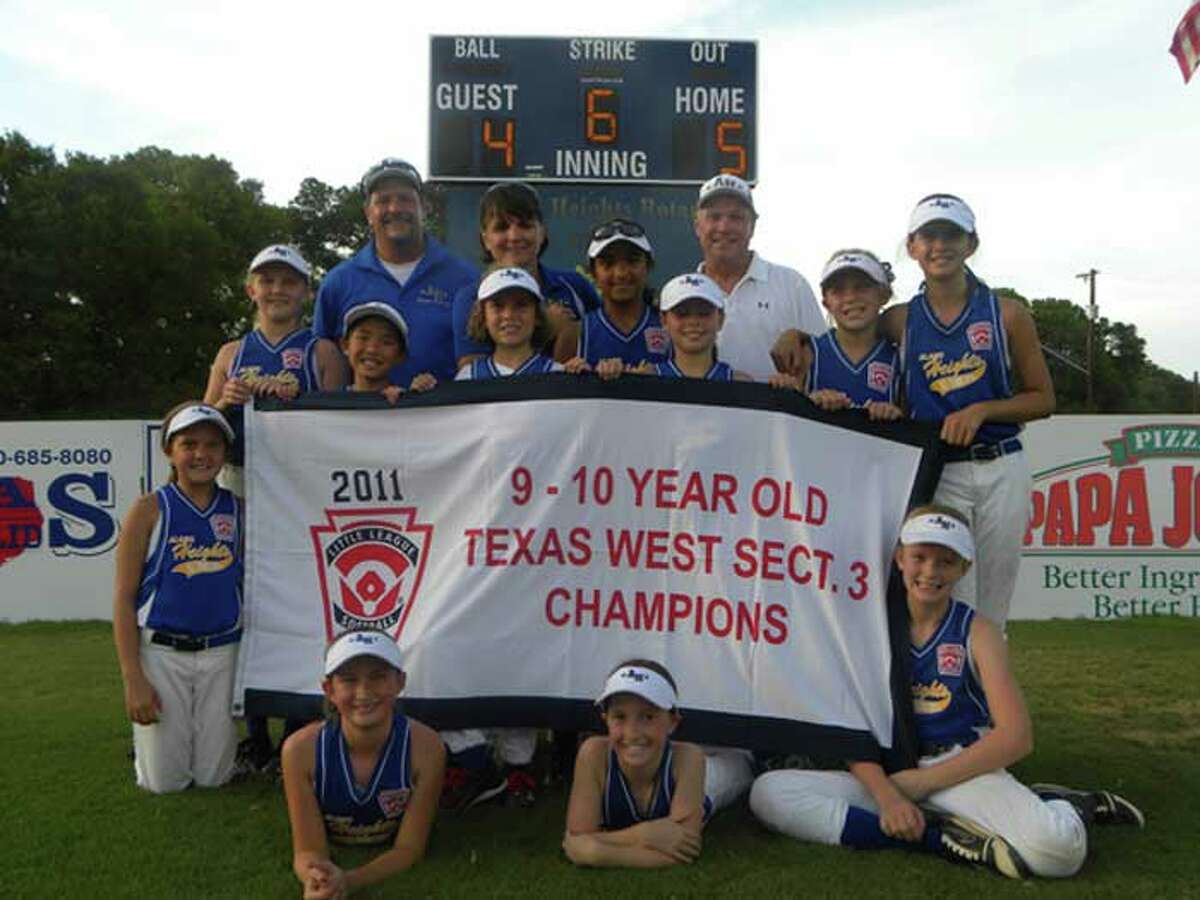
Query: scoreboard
{"type": "Point", "coordinates": [613, 110]}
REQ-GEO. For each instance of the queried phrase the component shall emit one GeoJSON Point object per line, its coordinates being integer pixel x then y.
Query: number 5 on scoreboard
{"type": "Point", "coordinates": [506, 144]}
{"type": "Point", "coordinates": [728, 131]}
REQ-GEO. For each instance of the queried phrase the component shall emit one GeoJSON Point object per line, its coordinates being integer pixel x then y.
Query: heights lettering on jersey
{"type": "Point", "coordinates": [254, 376]}
{"type": "Point", "coordinates": [946, 376]}
{"type": "Point", "coordinates": [199, 560]}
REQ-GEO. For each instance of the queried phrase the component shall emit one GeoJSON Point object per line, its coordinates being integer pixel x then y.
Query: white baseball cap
{"type": "Point", "coordinates": [645, 683]}
{"type": "Point", "coordinates": [282, 253]}
{"type": "Point", "coordinates": [689, 286]}
{"type": "Point", "coordinates": [609, 233]}
{"type": "Point", "coordinates": [726, 184]}
{"type": "Point", "coordinates": [354, 644]}
{"type": "Point", "coordinates": [940, 529]}
{"type": "Point", "coordinates": [851, 259]}
{"type": "Point", "coordinates": [942, 208]}
{"type": "Point", "coordinates": [375, 308]}
{"type": "Point", "coordinates": [506, 278]}
{"type": "Point", "coordinates": [194, 414]}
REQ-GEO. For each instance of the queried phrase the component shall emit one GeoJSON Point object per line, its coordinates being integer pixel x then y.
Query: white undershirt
{"type": "Point", "coordinates": [400, 271]}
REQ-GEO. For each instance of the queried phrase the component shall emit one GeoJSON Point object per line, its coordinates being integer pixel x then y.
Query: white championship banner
{"type": "Point", "coordinates": [520, 541]}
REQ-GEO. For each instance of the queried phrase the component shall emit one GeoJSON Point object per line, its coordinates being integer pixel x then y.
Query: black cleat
{"type": "Point", "coordinates": [1101, 807]}
{"type": "Point", "coordinates": [964, 841]}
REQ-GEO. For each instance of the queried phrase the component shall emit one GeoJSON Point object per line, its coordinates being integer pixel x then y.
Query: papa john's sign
{"type": "Point", "coordinates": [1114, 530]}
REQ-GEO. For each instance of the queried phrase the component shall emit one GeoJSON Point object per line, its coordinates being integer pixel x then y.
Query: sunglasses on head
{"type": "Point", "coordinates": [618, 226]}
{"type": "Point", "coordinates": [940, 231]}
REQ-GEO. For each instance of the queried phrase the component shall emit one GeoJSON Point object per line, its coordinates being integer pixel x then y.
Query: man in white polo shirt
{"type": "Point", "coordinates": [763, 299]}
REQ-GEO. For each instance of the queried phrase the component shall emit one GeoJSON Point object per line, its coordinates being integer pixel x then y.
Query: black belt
{"type": "Point", "coordinates": [190, 644]}
{"type": "Point", "coordinates": [982, 452]}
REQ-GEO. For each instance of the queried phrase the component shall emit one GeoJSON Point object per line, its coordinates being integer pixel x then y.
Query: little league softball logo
{"type": "Point", "coordinates": [369, 565]}
{"type": "Point", "coordinates": [879, 376]}
{"type": "Point", "coordinates": [657, 340]}
{"type": "Point", "coordinates": [293, 358]}
{"type": "Point", "coordinates": [979, 335]}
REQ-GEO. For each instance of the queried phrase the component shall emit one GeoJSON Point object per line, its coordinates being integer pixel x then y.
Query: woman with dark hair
{"type": "Point", "coordinates": [512, 232]}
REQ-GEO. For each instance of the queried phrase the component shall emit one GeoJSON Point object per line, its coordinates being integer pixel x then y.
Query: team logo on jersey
{"type": "Point", "coordinates": [293, 358]}
{"type": "Point", "coordinates": [929, 699]}
{"type": "Point", "coordinates": [369, 565]}
{"type": "Point", "coordinates": [657, 340]}
{"type": "Point", "coordinates": [879, 376]}
{"type": "Point", "coordinates": [950, 659]}
{"type": "Point", "coordinates": [394, 802]}
{"type": "Point", "coordinates": [223, 525]}
{"type": "Point", "coordinates": [20, 519]}
{"type": "Point", "coordinates": [945, 376]}
{"type": "Point", "coordinates": [191, 559]}
{"type": "Point", "coordinates": [979, 335]}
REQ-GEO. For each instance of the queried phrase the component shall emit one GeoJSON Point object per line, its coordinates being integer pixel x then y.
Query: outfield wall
{"type": "Point", "coordinates": [1115, 530]}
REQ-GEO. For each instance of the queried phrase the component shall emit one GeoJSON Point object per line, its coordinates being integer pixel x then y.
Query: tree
{"type": "Point", "coordinates": [138, 265]}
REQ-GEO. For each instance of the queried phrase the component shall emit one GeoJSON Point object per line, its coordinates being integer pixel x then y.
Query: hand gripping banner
{"type": "Point", "coordinates": [522, 537]}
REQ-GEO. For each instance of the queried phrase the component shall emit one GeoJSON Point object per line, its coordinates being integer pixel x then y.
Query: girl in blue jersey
{"type": "Point", "coordinates": [627, 327]}
{"type": "Point", "coordinates": [512, 233]}
{"type": "Point", "coordinates": [368, 776]}
{"type": "Point", "coordinates": [959, 801]}
{"type": "Point", "coordinates": [280, 357]}
{"type": "Point", "coordinates": [375, 340]}
{"type": "Point", "coordinates": [177, 610]}
{"type": "Point", "coordinates": [973, 363]}
{"type": "Point", "coordinates": [853, 365]}
{"type": "Point", "coordinates": [637, 798]}
{"type": "Point", "coordinates": [508, 319]}
{"type": "Point", "coordinates": [693, 311]}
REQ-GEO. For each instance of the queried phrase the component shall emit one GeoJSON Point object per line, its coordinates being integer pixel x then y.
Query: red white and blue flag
{"type": "Point", "coordinates": [1186, 45]}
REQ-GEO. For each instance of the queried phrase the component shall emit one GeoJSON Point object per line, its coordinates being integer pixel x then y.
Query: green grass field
{"type": "Point", "coordinates": [1114, 704]}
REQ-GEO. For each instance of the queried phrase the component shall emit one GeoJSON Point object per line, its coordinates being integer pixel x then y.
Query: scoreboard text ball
{"type": "Point", "coordinates": [592, 109]}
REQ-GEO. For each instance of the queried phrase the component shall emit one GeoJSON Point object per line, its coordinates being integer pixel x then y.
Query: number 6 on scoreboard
{"type": "Point", "coordinates": [601, 124]}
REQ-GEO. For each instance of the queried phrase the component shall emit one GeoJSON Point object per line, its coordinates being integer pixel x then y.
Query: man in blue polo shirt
{"type": "Point", "coordinates": [403, 267]}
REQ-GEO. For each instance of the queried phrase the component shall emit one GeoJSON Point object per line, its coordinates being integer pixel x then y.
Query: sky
{"type": "Point", "coordinates": [1065, 125]}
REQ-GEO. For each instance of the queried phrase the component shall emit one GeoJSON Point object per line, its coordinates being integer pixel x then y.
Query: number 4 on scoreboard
{"type": "Point", "coordinates": [505, 144]}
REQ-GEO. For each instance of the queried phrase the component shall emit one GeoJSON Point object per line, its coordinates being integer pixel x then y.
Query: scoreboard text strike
{"type": "Point", "coordinates": [592, 109]}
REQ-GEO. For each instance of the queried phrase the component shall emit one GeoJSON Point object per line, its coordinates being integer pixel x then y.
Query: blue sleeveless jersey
{"type": "Point", "coordinates": [949, 367]}
{"type": "Point", "coordinates": [875, 377]}
{"type": "Point", "coordinates": [369, 814]}
{"type": "Point", "coordinates": [485, 367]}
{"type": "Point", "coordinates": [600, 339]}
{"type": "Point", "coordinates": [620, 810]}
{"type": "Point", "coordinates": [720, 371]}
{"type": "Point", "coordinates": [192, 580]}
{"type": "Point", "coordinates": [291, 362]}
{"type": "Point", "coordinates": [948, 700]}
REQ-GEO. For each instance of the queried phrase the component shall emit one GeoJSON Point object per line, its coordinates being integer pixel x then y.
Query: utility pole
{"type": "Point", "coordinates": [1090, 277]}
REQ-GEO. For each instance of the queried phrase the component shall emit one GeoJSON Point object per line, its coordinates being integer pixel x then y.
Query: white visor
{"type": "Point", "coordinates": [506, 278]}
{"type": "Point", "coordinates": [194, 415]}
{"type": "Point", "coordinates": [354, 644]}
{"type": "Point", "coordinates": [375, 308]}
{"type": "Point", "coordinates": [282, 253]}
{"type": "Point", "coordinates": [595, 248]}
{"type": "Point", "coordinates": [645, 683]}
{"type": "Point", "coordinates": [692, 286]}
{"type": "Point", "coordinates": [936, 528]}
{"type": "Point", "coordinates": [940, 208]}
{"type": "Point", "coordinates": [860, 261]}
